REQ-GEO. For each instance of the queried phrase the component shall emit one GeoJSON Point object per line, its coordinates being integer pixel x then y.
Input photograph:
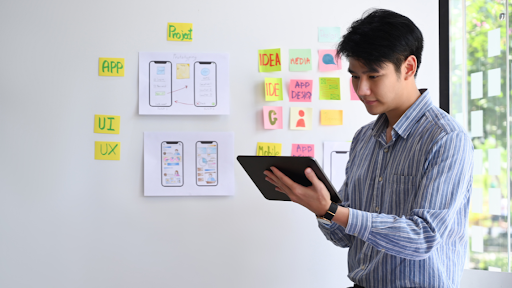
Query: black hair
{"type": "Point", "coordinates": [382, 36]}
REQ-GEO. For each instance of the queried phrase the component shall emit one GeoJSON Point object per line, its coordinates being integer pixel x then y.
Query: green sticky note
{"type": "Point", "coordinates": [329, 88]}
{"type": "Point", "coordinates": [269, 60]}
{"type": "Point", "coordinates": [273, 89]}
{"type": "Point", "coordinates": [300, 60]}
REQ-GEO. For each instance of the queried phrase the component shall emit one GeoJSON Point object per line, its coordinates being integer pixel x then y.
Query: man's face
{"type": "Point", "coordinates": [378, 89]}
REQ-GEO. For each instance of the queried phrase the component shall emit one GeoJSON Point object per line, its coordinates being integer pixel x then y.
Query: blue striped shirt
{"type": "Point", "coordinates": [408, 200]}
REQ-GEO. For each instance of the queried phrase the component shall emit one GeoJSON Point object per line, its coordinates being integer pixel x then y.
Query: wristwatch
{"type": "Point", "coordinates": [327, 218]}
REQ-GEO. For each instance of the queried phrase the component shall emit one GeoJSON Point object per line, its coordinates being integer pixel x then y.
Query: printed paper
{"type": "Point", "coordinates": [188, 164]}
{"type": "Point", "coordinates": [336, 156]}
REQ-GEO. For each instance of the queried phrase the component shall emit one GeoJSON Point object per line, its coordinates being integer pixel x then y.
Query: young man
{"type": "Point", "coordinates": [405, 200]}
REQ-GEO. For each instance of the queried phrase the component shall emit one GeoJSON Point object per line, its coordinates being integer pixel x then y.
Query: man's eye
{"type": "Point", "coordinates": [355, 77]}
{"type": "Point", "coordinates": [373, 76]}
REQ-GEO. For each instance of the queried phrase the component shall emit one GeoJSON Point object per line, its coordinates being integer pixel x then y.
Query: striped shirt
{"type": "Point", "coordinates": [408, 200]}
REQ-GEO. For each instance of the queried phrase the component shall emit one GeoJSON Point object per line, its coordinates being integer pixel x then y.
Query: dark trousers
{"type": "Point", "coordinates": [357, 286]}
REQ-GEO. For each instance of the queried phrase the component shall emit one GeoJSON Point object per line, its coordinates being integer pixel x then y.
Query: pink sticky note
{"type": "Point", "coordinates": [273, 117]}
{"type": "Point", "coordinates": [327, 60]}
{"type": "Point", "coordinates": [353, 94]}
{"type": "Point", "coordinates": [300, 90]}
{"type": "Point", "coordinates": [303, 150]}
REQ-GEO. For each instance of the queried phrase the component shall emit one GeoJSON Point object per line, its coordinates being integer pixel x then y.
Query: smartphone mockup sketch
{"type": "Point", "coordinates": [205, 84]}
{"type": "Point", "coordinates": [172, 164]}
{"type": "Point", "coordinates": [160, 83]}
{"type": "Point", "coordinates": [207, 173]}
{"type": "Point", "coordinates": [339, 161]}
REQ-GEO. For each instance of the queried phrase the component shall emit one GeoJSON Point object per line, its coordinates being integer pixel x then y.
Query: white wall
{"type": "Point", "coordinates": [67, 220]}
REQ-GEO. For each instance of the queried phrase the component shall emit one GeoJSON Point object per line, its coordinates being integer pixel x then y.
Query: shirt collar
{"type": "Point", "coordinates": [407, 121]}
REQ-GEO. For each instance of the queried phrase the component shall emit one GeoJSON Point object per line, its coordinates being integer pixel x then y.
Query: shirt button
{"type": "Point", "coordinates": [386, 150]}
{"type": "Point", "coordinates": [362, 267]}
{"type": "Point", "coordinates": [355, 234]}
{"type": "Point", "coordinates": [377, 209]}
{"type": "Point", "coordinates": [380, 179]}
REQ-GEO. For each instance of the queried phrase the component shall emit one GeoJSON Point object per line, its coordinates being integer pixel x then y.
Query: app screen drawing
{"type": "Point", "coordinates": [339, 161]}
{"type": "Point", "coordinates": [205, 84]}
{"type": "Point", "coordinates": [160, 84]}
{"type": "Point", "coordinates": [172, 164]}
{"type": "Point", "coordinates": [206, 163]}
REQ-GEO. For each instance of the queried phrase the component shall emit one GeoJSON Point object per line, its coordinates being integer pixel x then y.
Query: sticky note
{"type": "Point", "coordinates": [477, 200]}
{"type": "Point", "coordinates": [301, 118]}
{"type": "Point", "coordinates": [331, 117]}
{"type": "Point", "coordinates": [301, 90]}
{"type": "Point", "coordinates": [268, 149]}
{"type": "Point", "coordinates": [353, 94]}
{"type": "Point", "coordinates": [111, 67]}
{"type": "Point", "coordinates": [273, 117]}
{"type": "Point", "coordinates": [494, 82]}
{"type": "Point", "coordinates": [329, 34]}
{"type": "Point", "coordinates": [269, 60]}
{"type": "Point", "coordinates": [494, 160]}
{"type": "Point", "coordinates": [478, 162]}
{"type": "Point", "coordinates": [327, 60]}
{"type": "Point", "coordinates": [300, 60]}
{"type": "Point", "coordinates": [477, 239]}
{"type": "Point", "coordinates": [107, 124]}
{"type": "Point", "coordinates": [273, 89]}
{"type": "Point", "coordinates": [182, 71]}
{"type": "Point", "coordinates": [179, 32]}
{"type": "Point", "coordinates": [493, 43]}
{"type": "Point", "coordinates": [477, 123]}
{"type": "Point", "coordinates": [477, 85]}
{"type": "Point", "coordinates": [303, 150]}
{"type": "Point", "coordinates": [107, 150]}
{"type": "Point", "coordinates": [494, 201]}
{"type": "Point", "coordinates": [330, 88]}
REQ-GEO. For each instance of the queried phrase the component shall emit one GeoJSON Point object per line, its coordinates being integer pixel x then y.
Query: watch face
{"type": "Point", "coordinates": [323, 220]}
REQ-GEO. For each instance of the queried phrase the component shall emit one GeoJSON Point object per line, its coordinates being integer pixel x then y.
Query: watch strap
{"type": "Point", "coordinates": [332, 210]}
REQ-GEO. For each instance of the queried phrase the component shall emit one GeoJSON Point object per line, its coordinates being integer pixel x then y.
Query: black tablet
{"type": "Point", "coordinates": [293, 167]}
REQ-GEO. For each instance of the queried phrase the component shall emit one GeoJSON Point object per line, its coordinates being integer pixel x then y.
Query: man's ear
{"type": "Point", "coordinates": [409, 67]}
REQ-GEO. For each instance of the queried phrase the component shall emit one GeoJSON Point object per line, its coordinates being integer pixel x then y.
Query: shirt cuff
{"type": "Point", "coordinates": [359, 223]}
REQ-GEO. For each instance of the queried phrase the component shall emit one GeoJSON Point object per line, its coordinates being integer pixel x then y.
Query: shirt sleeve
{"type": "Point", "coordinates": [442, 195]}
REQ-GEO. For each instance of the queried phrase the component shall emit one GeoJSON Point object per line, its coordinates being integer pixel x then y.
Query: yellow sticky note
{"type": "Point", "coordinates": [107, 150]}
{"type": "Point", "coordinates": [269, 60]}
{"type": "Point", "coordinates": [179, 32]}
{"type": "Point", "coordinates": [301, 118]}
{"type": "Point", "coordinates": [111, 67]}
{"type": "Point", "coordinates": [268, 149]}
{"type": "Point", "coordinates": [107, 124]}
{"type": "Point", "coordinates": [182, 71]}
{"type": "Point", "coordinates": [273, 89]}
{"type": "Point", "coordinates": [331, 117]}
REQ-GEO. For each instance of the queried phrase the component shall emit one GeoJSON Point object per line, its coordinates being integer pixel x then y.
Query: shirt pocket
{"type": "Point", "coordinates": [403, 191]}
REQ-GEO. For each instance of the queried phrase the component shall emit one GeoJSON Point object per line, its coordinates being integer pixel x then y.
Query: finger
{"type": "Point", "coordinates": [310, 174]}
{"type": "Point", "coordinates": [284, 179]}
{"type": "Point", "coordinates": [271, 181]}
{"type": "Point", "coordinates": [279, 190]}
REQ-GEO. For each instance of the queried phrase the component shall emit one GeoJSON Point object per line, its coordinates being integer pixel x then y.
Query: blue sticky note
{"type": "Point", "coordinates": [329, 34]}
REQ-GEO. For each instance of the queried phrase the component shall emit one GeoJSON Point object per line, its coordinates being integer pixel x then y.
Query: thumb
{"type": "Point", "coordinates": [310, 174]}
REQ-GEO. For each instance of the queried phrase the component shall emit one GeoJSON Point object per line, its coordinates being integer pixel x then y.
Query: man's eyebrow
{"type": "Point", "coordinates": [370, 70]}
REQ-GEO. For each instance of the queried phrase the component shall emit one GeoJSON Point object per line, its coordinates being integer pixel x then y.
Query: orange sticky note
{"type": "Point", "coordinates": [331, 117]}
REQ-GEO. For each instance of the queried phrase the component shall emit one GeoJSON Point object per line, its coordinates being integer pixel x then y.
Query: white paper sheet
{"type": "Point", "coordinates": [477, 85]}
{"type": "Point", "coordinates": [494, 201]}
{"type": "Point", "coordinates": [202, 164]}
{"type": "Point", "coordinates": [478, 162]}
{"type": "Point", "coordinates": [477, 123]}
{"type": "Point", "coordinates": [477, 200]}
{"type": "Point", "coordinates": [493, 43]}
{"type": "Point", "coordinates": [197, 85]}
{"type": "Point", "coordinates": [335, 161]}
{"type": "Point", "coordinates": [494, 160]}
{"type": "Point", "coordinates": [477, 239]}
{"type": "Point", "coordinates": [494, 82]}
